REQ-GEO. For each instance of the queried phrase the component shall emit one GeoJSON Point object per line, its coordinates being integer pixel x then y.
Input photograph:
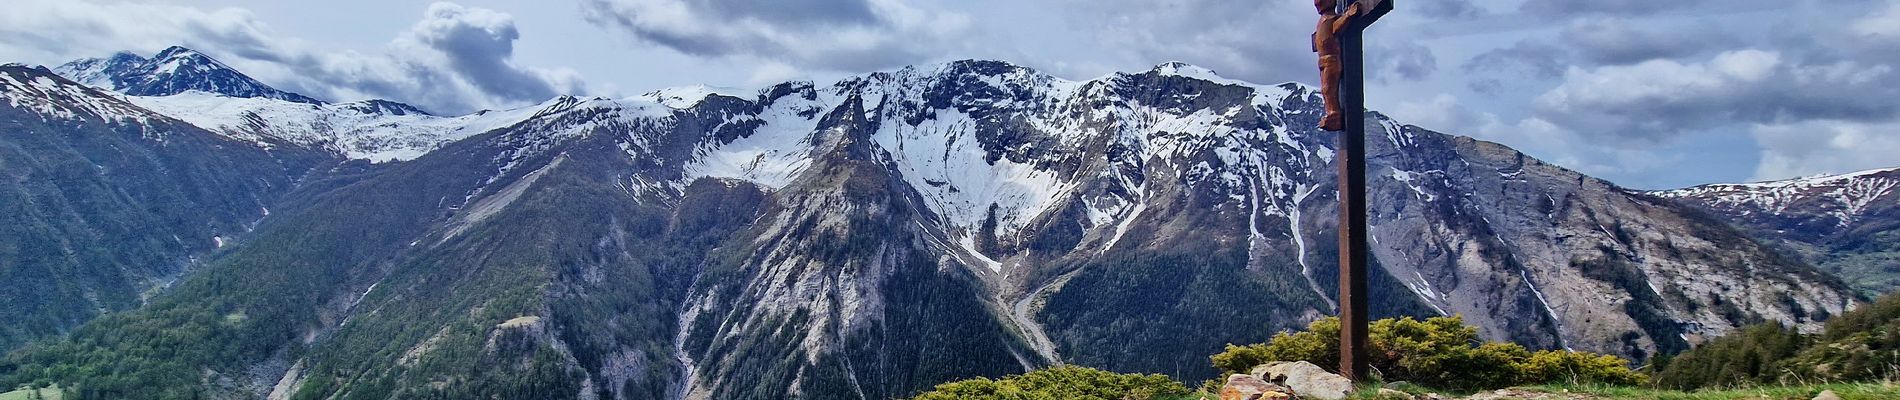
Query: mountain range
{"type": "Point", "coordinates": [1848, 224]}
{"type": "Point", "coordinates": [863, 238]}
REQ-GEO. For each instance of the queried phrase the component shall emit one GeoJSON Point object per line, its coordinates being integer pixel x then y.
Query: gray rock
{"type": "Point", "coordinates": [1308, 380]}
{"type": "Point", "coordinates": [1249, 387]}
{"type": "Point", "coordinates": [1827, 395]}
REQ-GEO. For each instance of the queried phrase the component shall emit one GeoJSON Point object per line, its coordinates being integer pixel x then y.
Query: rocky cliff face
{"type": "Point", "coordinates": [870, 237]}
{"type": "Point", "coordinates": [1848, 224]}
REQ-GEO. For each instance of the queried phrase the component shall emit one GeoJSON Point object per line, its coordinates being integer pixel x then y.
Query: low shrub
{"type": "Point", "coordinates": [1439, 352]}
{"type": "Point", "coordinates": [1065, 382]}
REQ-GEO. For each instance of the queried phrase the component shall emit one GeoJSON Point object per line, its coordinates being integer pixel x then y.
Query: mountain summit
{"type": "Point", "coordinates": [172, 71]}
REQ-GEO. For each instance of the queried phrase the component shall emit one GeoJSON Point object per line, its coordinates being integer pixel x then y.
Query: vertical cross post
{"type": "Point", "coordinates": [1353, 251]}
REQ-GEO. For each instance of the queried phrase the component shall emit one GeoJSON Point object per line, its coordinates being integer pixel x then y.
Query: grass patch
{"type": "Point", "coordinates": [24, 393]}
{"type": "Point", "coordinates": [1855, 391]}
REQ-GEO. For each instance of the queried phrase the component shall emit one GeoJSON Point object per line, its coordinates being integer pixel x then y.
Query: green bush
{"type": "Point", "coordinates": [1745, 357]}
{"type": "Point", "coordinates": [1318, 344]}
{"type": "Point", "coordinates": [1065, 382]}
{"type": "Point", "coordinates": [1440, 352]}
{"type": "Point", "coordinates": [1576, 368]}
{"type": "Point", "coordinates": [1862, 345]}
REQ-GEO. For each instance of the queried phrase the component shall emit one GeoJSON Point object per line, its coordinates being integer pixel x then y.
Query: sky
{"type": "Point", "coordinates": [1649, 94]}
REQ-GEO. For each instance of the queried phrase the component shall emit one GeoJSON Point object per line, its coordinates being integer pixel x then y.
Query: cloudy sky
{"type": "Point", "coordinates": [1647, 93]}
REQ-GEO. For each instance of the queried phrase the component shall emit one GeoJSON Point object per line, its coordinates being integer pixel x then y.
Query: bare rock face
{"type": "Point", "coordinates": [1307, 380]}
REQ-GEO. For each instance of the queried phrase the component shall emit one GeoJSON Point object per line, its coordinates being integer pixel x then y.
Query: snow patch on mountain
{"type": "Point", "coordinates": [37, 89]}
{"type": "Point", "coordinates": [97, 72]}
{"type": "Point", "coordinates": [358, 130]}
{"type": "Point", "coordinates": [1845, 197]}
{"type": "Point", "coordinates": [688, 96]}
{"type": "Point", "coordinates": [774, 153]}
{"type": "Point", "coordinates": [943, 161]}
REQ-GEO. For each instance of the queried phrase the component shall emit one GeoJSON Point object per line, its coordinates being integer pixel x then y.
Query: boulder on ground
{"type": "Point", "coordinates": [1306, 380]}
{"type": "Point", "coordinates": [1249, 387]}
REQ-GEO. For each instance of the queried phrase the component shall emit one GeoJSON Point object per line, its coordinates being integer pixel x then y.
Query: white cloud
{"type": "Point", "coordinates": [770, 73]}
{"type": "Point", "coordinates": [1820, 147]}
{"type": "Point", "coordinates": [1883, 24]}
{"type": "Point", "coordinates": [1658, 100]}
{"type": "Point", "coordinates": [1263, 41]}
{"type": "Point", "coordinates": [455, 59]}
{"type": "Point", "coordinates": [1442, 113]}
{"type": "Point", "coordinates": [52, 30]}
{"type": "Point", "coordinates": [1536, 136]}
{"type": "Point", "coordinates": [1658, 84]}
{"type": "Point", "coordinates": [849, 35]}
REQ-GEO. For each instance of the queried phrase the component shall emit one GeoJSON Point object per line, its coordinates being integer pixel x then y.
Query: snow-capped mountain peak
{"type": "Point", "coordinates": [1188, 70]}
{"type": "Point", "coordinates": [687, 96]}
{"type": "Point", "coordinates": [172, 71]}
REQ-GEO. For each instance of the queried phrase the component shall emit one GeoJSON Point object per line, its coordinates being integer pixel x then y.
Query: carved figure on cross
{"type": "Point", "coordinates": [1332, 23]}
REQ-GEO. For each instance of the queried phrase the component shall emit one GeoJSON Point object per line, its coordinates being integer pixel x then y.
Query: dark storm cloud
{"type": "Point", "coordinates": [851, 35]}
{"type": "Point", "coordinates": [838, 12]}
{"type": "Point", "coordinates": [479, 46]}
{"type": "Point", "coordinates": [1594, 42]}
{"type": "Point", "coordinates": [1616, 41]}
{"type": "Point", "coordinates": [1444, 9]}
{"type": "Point", "coordinates": [1575, 8]}
{"type": "Point", "coordinates": [454, 60]}
{"type": "Point", "coordinates": [1528, 60]}
{"type": "Point", "coordinates": [1404, 60]}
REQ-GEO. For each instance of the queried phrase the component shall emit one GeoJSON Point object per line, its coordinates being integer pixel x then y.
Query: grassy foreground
{"type": "Point", "coordinates": [1847, 391]}
{"type": "Point", "coordinates": [1858, 391]}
